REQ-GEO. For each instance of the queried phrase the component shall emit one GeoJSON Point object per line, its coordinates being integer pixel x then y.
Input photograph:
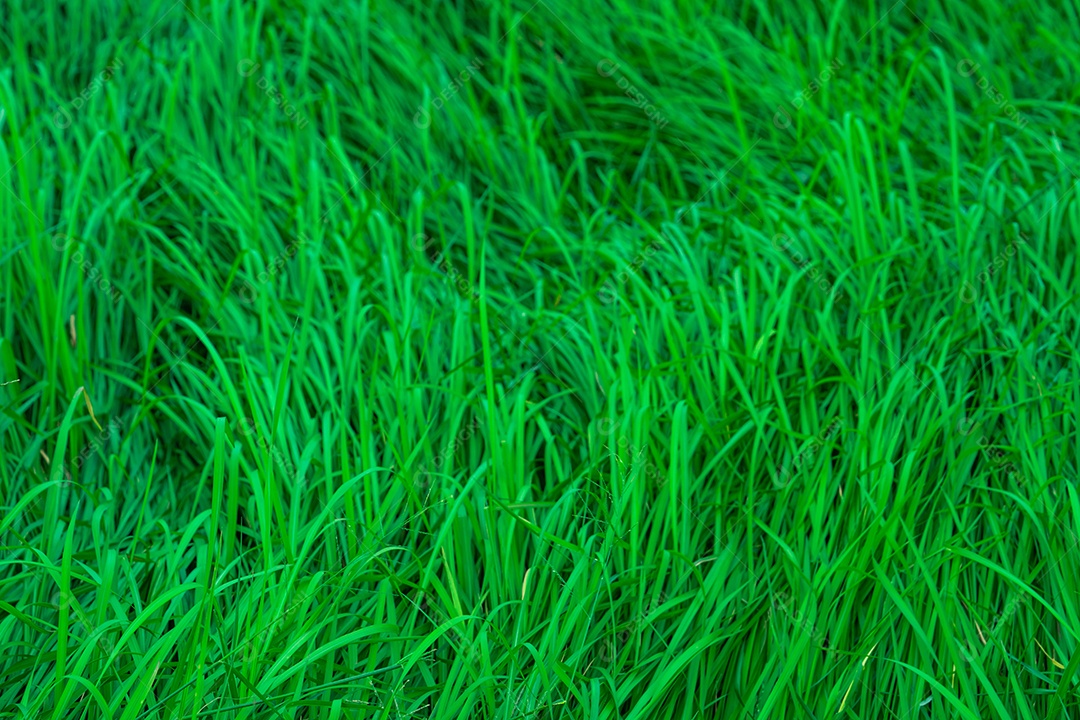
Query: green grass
{"type": "Point", "coordinates": [467, 360]}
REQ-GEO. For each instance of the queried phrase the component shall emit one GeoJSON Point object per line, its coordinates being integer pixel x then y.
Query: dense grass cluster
{"type": "Point", "coordinates": [602, 360]}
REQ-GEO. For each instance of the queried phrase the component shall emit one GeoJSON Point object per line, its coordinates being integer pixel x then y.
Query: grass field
{"type": "Point", "coordinates": [470, 360]}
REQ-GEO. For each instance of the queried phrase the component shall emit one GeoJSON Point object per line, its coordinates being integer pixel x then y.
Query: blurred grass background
{"type": "Point", "coordinates": [452, 359]}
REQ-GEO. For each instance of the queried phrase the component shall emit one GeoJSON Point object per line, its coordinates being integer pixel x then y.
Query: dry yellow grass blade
{"type": "Point", "coordinates": [90, 408]}
{"type": "Point", "coordinates": [1058, 665]}
{"type": "Point", "coordinates": [848, 691]}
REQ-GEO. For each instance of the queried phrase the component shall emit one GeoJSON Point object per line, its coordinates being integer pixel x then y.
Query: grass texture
{"type": "Point", "coordinates": [496, 360]}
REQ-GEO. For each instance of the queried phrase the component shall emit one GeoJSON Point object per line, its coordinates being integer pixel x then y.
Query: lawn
{"type": "Point", "coordinates": [565, 360]}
